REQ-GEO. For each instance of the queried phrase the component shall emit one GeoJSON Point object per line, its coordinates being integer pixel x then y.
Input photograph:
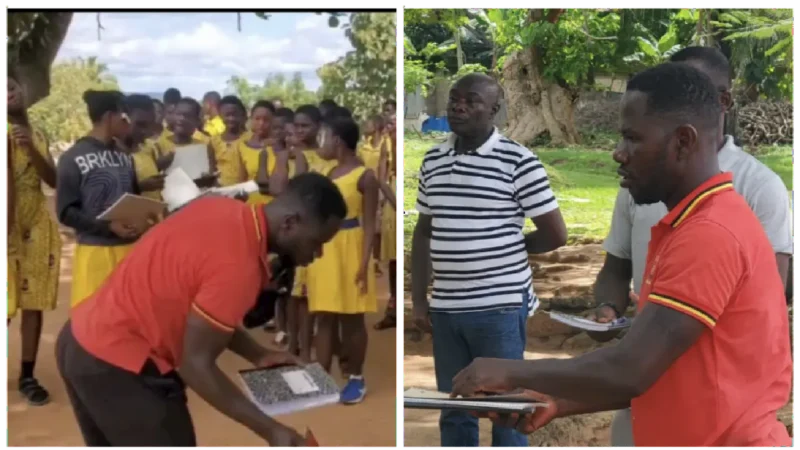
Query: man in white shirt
{"type": "Point", "coordinates": [475, 191]}
{"type": "Point", "coordinates": [628, 239]}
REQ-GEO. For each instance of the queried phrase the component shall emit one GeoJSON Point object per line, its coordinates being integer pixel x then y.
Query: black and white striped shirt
{"type": "Point", "coordinates": [478, 202]}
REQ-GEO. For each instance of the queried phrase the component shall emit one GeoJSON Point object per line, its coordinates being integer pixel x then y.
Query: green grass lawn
{"type": "Point", "coordinates": [584, 180]}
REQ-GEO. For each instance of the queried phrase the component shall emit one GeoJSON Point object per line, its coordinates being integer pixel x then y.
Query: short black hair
{"type": "Point", "coordinates": [99, 103]}
{"type": "Point", "coordinates": [190, 101]}
{"type": "Point", "coordinates": [319, 194]}
{"type": "Point", "coordinates": [235, 101]}
{"type": "Point", "coordinates": [263, 104]}
{"type": "Point", "coordinates": [172, 96]}
{"type": "Point", "coordinates": [211, 95]}
{"type": "Point", "coordinates": [311, 111]}
{"type": "Point", "coordinates": [340, 111]}
{"type": "Point", "coordinates": [327, 103]}
{"type": "Point", "coordinates": [390, 102]}
{"type": "Point", "coordinates": [679, 90]}
{"type": "Point", "coordinates": [474, 79]}
{"type": "Point", "coordinates": [139, 102]}
{"type": "Point", "coordinates": [710, 57]}
{"type": "Point", "coordinates": [346, 129]}
{"type": "Point", "coordinates": [285, 113]}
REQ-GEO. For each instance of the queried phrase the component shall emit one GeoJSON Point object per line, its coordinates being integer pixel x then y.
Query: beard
{"type": "Point", "coordinates": [656, 187]}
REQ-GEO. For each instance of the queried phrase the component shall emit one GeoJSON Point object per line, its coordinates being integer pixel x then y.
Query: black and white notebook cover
{"type": "Point", "coordinates": [287, 389]}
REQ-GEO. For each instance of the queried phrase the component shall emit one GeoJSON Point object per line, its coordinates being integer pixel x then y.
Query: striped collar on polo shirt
{"type": "Point", "coordinates": [484, 149]}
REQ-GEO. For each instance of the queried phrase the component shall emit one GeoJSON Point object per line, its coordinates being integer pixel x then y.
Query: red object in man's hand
{"type": "Point", "coordinates": [311, 440]}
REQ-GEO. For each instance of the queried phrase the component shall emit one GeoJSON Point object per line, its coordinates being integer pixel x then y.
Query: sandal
{"type": "Point", "coordinates": [33, 391]}
{"type": "Point", "coordinates": [386, 323]}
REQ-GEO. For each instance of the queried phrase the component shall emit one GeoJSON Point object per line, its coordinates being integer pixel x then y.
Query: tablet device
{"type": "Point", "coordinates": [472, 405]}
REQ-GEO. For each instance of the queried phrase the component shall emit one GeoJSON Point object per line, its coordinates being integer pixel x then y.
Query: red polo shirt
{"type": "Point", "coordinates": [209, 257]}
{"type": "Point", "coordinates": [710, 259]}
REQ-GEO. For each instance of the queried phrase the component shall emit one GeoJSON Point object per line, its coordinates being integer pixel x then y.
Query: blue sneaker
{"type": "Point", "coordinates": [354, 391]}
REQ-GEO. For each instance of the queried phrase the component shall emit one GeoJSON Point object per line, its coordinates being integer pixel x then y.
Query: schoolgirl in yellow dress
{"type": "Point", "coordinates": [372, 146]}
{"type": "Point", "coordinates": [257, 150]}
{"type": "Point", "coordinates": [35, 244]}
{"type": "Point", "coordinates": [300, 138]}
{"type": "Point", "coordinates": [149, 178]}
{"type": "Point", "coordinates": [388, 236]}
{"type": "Point", "coordinates": [341, 283]}
{"type": "Point", "coordinates": [186, 121]}
{"type": "Point", "coordinates": [226, 145]}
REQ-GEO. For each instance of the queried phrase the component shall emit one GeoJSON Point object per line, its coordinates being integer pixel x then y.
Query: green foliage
{"type": "Point", "coordinates": [415, 75]}
{"type": "Point", "coordinates": [761, 49]}
{"type": "Point", "coordinates": [467, 69]}
{"type": "Point", "coordinates": [62, 115]}
{"type": "Point", "coordinates": [366, 77]}
{"type": "Point", "coordinates": [292, 92]}
{"type": "Point", "coordinates": [652, 51]}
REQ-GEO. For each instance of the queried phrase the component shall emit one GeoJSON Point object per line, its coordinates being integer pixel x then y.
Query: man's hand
{"type": "Point", "coordinates": [278, 358]}
{"type": "Point", "coordinates": [283, 436]}
{"type": "Point", "coordinates": [527, 423]}
{"type": "Point", "coordinates": [483, 375]}
{"type": "Point", "coordinates": [603, 314]}
{"type": "Point", "coordinates": [422, 319]}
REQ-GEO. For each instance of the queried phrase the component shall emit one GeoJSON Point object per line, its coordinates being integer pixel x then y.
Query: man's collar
{"type": "Point", "coordinates": [712, 186]}
{"type": "Point", "coordinates": [484, 149]}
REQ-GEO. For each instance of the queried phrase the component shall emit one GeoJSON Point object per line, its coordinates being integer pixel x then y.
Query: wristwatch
{"type": "Point", "coordinates": [612, 306]}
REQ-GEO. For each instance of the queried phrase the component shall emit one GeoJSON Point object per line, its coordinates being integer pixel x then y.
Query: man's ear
{"type": "Point", "coordinates": [686, 139]}
{"type": "Point", "coordinates": [726, 100]}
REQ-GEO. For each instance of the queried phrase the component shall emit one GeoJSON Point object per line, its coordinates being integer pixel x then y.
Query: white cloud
{"type": "Point", "coordinates": [197, 56]}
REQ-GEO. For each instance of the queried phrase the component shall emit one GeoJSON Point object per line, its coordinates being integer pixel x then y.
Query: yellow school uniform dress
{"type": "Point", "coordinates": [13, 274]}
{"type": "Point", "coordinates": [370, 155]}
{"type": "Point", "coordinates": [36, 241]}
{"type": "Point", "coordinates": [332, 278]}
{"type": "Point", "coordinates": [250, 157]}
{"type": "Point", "coordinates": [318, 165]}
{"type": "Point", "coordinates": [214, 127]}
{"type": "Point", "coordinates": [229, 163]}
{"type": "Point", "coordinates": [166, 145]}
{"type": "Point", "coordinates": [144, 161]}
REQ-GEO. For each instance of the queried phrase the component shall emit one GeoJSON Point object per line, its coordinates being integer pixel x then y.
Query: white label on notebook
{"type": "Point", "coordinates": [300, 382]}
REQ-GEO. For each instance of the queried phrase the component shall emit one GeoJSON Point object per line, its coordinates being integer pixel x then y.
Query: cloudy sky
{"type": "Point", "coordinates": [199, 52]}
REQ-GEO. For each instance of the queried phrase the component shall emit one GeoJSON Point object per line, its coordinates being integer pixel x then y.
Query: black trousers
{"type": "Point", "coordinates": [115, 407]}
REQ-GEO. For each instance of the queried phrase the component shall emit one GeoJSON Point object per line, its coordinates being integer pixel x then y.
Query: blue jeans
{"type": "Point", "coordinates": [457, 340]}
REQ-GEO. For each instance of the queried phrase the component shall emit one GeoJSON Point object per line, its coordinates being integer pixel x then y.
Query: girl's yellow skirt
{"type": "Point", "coordinates": [92, 264]}
{"type": "Point", "coordinates": [331, 279]}
{"type": "Point", "coordinates": [300, 289]}
{"type": "Point", "coordinates": [388, 233]}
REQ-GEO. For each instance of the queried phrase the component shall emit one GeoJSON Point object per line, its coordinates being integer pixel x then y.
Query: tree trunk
{"type": "Point", "coordinates": [36, 56]}
{"type": "Point", "coordinates": [537, 105]}
{"type": "Point", "coordinates": [459, 51]}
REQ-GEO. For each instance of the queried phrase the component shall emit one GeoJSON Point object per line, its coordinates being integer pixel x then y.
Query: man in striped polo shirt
{"type": "Point", "coordinates": [475, 191]}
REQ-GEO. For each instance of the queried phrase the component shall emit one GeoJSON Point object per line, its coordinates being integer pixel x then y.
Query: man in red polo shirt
{"type": "Point", "coordinates": [175, 304]}
{"type": "Point", "coordinates": [707, 361]}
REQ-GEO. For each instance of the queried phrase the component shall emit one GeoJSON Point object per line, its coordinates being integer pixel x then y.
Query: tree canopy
{"type": "Point", "coordinates": [366, 77]}
{"type": "Point", "coordinates": [545, 58]}
{"type": "Point", "coordinates": [62, 116]}
{"type": "Point", "coordinates": [291, 91]}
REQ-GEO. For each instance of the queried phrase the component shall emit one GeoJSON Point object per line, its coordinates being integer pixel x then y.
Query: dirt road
{"type": "Point", "coordinates": [369, 423]}
{"type": "Point", "coordinates": [563, 281]}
